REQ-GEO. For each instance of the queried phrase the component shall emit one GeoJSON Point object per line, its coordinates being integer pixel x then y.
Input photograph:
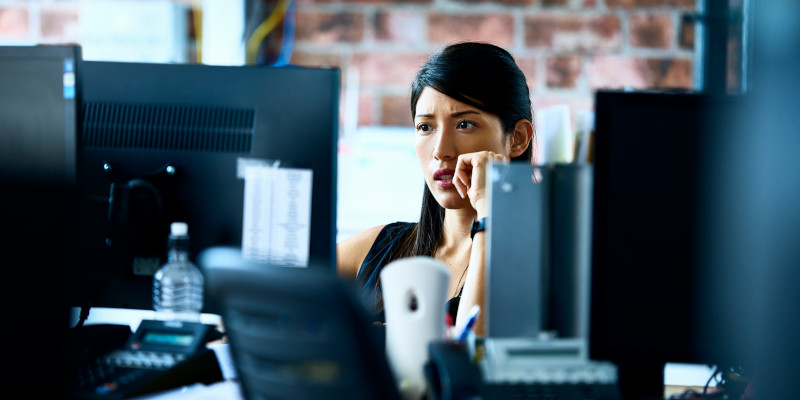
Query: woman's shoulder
{"type": "Point", "coordinates": [361, 239]}
{"type": "Point", "coordinates": [380, 233]}
{"type": "Point", "coordinates": [352, 251]}
{"type": "Point", "coordinates": [395, 230]}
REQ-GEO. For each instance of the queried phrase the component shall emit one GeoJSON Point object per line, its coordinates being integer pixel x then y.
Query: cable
{"type": "Point", "coordinates": [261, 32]}
{"type": "Point", "coordinates": [717, 371]}
{"type": "Point", "coordinates": [287, 48]}
{"type": "Point", "coordinates": [197, 19]}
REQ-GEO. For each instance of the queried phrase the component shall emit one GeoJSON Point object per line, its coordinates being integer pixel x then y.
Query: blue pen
{"type": "Point", "coordinates": [473, 316]}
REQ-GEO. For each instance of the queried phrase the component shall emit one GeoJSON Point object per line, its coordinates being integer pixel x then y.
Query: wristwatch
{"type": "Point", "coordinates": [477, 226]}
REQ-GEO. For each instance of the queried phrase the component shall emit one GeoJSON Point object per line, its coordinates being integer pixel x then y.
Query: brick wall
{"type": "Point", "coordinates": [38, 21]}
{"type": "Point", "coordinates": [567, 48]}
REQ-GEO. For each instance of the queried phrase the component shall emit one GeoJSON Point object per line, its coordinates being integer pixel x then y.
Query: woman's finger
{"type": "Point", "coordinates": [466, 169]}
{"type": "Point", "coordinates": [470, 171]}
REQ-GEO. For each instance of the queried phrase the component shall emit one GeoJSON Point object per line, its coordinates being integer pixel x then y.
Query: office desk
{"type": "Point", "coordinates": [227, 389]}
{"type": "Point", "coordinates": [123, 316]}
{"type": "Point", "coordinates": [677, 377]}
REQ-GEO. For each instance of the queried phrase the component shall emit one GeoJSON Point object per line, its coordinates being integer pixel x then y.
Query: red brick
{"type": "Point", "coordinates": [450, 28]}
{"type": "Point", "coordinates": [506, 2]}
{"type": "Point", "coordinates": [388, 1]}
{"type": "Point", "coordinates": [514, 2]}
{"type": "Point", "coordinates": [639, 73]}
{"type": "Point", "coordinates": [366, 109]}
{"type": "Point", "coordinates": [670, 73]}
{"type": "Point", "coordinates": [400, 27]}
{"type": "Point", "coordinates": [14, 22]}
{"type": "Point", "coordinates": [652, 31]}
{"type": "Point", "coordinates": [563, 72]}
{"type": "Point", "coordinates": [615, 72]}
{"type": "Point", "coordinates": [60, 23]}
{"type": "Point", "coordinates": [316, 60]}
{"type": "Point", "coordinates": [651, 3]}
{"type": "Point", "coordinates": [377, 68]}
{"type": "Point", "coordinates": [325, 28]}
{"type": "Point", "coordinates": [528, 67]}
{"type": "Point", "coordinates": [573, 32]}
{"type": "Point", "coordinates": [686, 35]}
{"type": "Point", "coordinates": [396, 111]}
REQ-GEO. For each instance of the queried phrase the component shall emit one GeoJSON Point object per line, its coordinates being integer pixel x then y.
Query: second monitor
{"type": "Point", "coordinates": [165, 142]}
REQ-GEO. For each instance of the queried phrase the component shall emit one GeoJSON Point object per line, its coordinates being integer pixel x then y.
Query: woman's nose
{"type": "Point", "coordinates": [444, 148]}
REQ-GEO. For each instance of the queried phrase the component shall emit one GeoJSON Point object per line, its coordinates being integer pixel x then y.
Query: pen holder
{"type": "Point", "coordinates": [414, 297]}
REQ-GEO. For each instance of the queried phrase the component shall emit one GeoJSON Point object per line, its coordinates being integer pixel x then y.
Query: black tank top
{"type": "Point", "coordinates": [386, 244]}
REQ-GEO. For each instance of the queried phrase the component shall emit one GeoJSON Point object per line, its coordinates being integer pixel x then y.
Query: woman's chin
{"type": "Point", "coordinates": [451, 200]}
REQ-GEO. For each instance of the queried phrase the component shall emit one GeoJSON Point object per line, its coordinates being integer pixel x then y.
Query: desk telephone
{"type": "Point", "coordinates": [160, 355]}
{"type": "Point", "coordinates": [519, 368]}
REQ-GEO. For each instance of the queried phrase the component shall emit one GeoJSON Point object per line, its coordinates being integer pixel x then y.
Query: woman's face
{"type": "Point", "coordinates": [445, 129]}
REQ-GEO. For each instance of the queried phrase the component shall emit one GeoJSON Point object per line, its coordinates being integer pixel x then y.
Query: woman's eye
{"type": "Point", "coordinates": [465, 125]}
{"type": "Point", "coordinates": [424, 128]}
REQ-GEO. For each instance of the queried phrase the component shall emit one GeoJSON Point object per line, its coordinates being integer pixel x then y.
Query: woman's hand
{"type": "Point", "coordinates": [470, 178]}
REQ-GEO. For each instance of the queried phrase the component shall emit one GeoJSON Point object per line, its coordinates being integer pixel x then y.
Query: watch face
{"type": "Point", "coordinates": [477, 226]}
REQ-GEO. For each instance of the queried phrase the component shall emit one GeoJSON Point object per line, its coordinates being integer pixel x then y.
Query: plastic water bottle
{"type": "Point", "coordinates": [178, 284]}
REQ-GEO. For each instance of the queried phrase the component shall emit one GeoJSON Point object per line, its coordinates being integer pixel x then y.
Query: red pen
{"type": "Point", "coordinates": [448, 321]}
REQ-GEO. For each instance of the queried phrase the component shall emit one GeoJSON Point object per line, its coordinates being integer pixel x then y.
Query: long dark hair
{"type": "Point", "coordinates": [486, 77]}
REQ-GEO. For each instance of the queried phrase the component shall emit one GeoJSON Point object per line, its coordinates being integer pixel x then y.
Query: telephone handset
{"type": "Point", "coordinates": [160, 355]}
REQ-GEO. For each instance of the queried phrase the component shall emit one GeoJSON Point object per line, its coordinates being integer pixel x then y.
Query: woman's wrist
{"type": "Point", "coordinates": [481, 208]}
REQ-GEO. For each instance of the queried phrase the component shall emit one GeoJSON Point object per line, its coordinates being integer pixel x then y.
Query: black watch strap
{"type": "Point", "coordinates": [477, 226]}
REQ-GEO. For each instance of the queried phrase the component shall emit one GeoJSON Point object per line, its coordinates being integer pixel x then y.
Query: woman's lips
{"type": "Point", "coordinates": [444, 178]}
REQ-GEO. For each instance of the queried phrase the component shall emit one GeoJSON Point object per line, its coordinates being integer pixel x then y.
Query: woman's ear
{"type": "Point", "coordinates": [521, 138]}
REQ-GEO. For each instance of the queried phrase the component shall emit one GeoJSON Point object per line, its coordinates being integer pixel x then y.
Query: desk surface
{"type": "Point", "coordinates": [228, 390]}
{"type": "Point", "coordinates": [122, 316]}
{"type": "Point", "coordinates": [677, 377]}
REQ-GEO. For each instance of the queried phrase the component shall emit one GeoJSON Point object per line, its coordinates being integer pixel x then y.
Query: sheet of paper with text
{"type": "Point", "coordinates": [276, 228]}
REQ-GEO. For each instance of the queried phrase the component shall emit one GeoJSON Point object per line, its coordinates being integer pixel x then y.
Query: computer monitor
{"type": "Point", "coordinates": [165, 143]}
{"type": "Point", "coordinates": [38, 111]}
{"type": "Point", "coordinates": [753, 216]}
{"type": "Point", "coordinates": [649, 304]}
{"type": "Point", "coordinates": [538, 255]}
{"type": "Point", "coordinates": [38, 124]}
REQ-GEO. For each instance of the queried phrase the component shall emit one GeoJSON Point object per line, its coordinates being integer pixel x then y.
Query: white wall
{"type": "Point", "coordinates": [133, 31]}
{"type": "Point", "coordinates": [379, 180]}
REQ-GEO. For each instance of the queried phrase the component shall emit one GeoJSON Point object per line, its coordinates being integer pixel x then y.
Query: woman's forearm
{"type": "Point", "coordinates": [475, 286]}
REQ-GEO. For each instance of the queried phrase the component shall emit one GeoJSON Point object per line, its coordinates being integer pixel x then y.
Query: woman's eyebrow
{"type": "Point", "coordinates": [453, 115]}
{"type": "Point", "coordinates": [460, 113]}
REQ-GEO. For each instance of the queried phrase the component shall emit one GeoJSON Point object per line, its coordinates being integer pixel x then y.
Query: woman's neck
{"type": "Point", "coordinates": [455, 248]}
{"type": "Point", "coordinates": [456, 228]}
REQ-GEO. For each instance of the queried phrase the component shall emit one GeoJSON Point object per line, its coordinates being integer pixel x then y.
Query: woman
{"type": "Point", "coordinates": [470, 105]}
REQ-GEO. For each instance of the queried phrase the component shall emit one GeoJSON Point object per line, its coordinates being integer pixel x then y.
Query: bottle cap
{"type": "Point", "coordinates": [179, 229]}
